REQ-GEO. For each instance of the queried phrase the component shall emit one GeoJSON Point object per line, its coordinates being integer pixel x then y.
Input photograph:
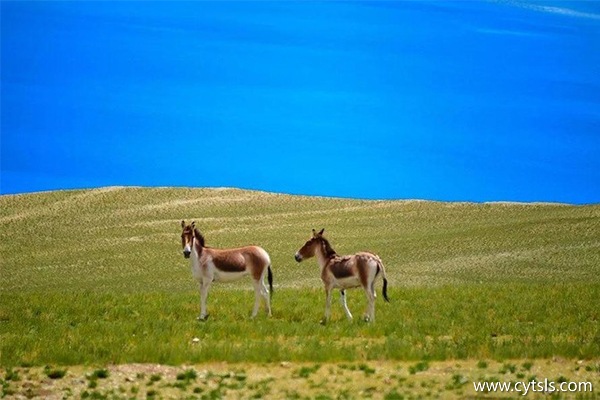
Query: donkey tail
{"type": "Point", "coordinates": [270, 279]}
{"type": "Point", "coordinates": [385, 296]}
{"type": "Point", "coordinates": [385, 282]}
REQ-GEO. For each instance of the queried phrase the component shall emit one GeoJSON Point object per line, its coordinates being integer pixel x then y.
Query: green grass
{"type": "Point", "coordinates": [54, 373]}
{"type": "Point", "coordinates": [95, 277]}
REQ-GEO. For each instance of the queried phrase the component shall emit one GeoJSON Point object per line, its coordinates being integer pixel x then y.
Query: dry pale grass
{"type": "Point", "coordinates": [117, 233]}
{"type": "Point", "coordinates": [443, 380]}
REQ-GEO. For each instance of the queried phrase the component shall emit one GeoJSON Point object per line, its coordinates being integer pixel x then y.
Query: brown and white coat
{"type": "Point", "coordinates": [344, 272]}
{"type": "Point", "coordinates": [226, 265]}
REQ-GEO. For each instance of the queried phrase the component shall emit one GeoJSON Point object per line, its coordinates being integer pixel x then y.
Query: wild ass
{"type": "Point", "coordinates": [225, 265]}
{"type": "Point", "coordinates": [344, 272]}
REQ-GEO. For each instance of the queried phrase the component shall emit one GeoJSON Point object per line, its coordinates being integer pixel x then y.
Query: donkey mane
{"type": "Point", "coordinates": [199, 237]}
{"type": "Point", "coordinates": [329, 251]}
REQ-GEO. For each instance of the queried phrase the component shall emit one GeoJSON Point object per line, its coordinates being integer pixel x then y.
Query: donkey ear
{"type": "Point", "coordinates": [321, 232]}
{"type": "Point", "coordinates": [314, 233]}
{"type": "Point", "coordinates": [182, 224]}
{"type": "Point", "coordinates": [193, 224]}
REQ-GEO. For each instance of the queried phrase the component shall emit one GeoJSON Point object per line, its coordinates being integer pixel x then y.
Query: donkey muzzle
{"type": "Point", "coordinates": [298, 257]}
{"type": "Point", "coordinates": [186, 253]}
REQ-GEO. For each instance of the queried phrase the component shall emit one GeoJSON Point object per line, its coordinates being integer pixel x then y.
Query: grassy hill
{"type": "Point", "coordinates": [98, 276]}
{"type": "Point", "coordinates": [127, 239]}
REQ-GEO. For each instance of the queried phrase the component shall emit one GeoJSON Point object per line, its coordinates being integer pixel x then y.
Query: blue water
{"type": "Point", "coordinates": [475, 101]}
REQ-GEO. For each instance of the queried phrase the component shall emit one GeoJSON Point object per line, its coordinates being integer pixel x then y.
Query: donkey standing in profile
{"type": "Point", "coordinates": [225, 265]}
{"type": "Point", "coordinates": [344, 272]}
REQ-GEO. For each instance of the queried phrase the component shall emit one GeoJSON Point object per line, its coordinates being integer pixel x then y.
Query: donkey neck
{"type": "Point", "coordinates": [196, 260]}
{"type": "Point", "coordinates": [198, 248]}
{"type": "Point", "coordinates": [323, 256]}
{"type": "Point", "coordinates": [322, 259]}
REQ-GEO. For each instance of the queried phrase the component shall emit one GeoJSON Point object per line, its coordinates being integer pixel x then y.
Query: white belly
{"type": "Point", "coordinates": [347, 283]}
{"type": "Point", "coordinates": [221, 276]}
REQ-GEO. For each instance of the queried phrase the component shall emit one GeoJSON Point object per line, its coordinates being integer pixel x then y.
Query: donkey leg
{"type": "Point", "coordinates": [372, 308]}
{"type": "Point", "coordinates": [327, 305]}
{"type": "Point", "coordinates": [372, 303]}
{"type": "Point", "coordinates": [204, 288]}
{"type": "Point", "coordinates": [257, 295]}
{"type": "Point", "coordinates": [265, 293]}
{"type": "Point", "coordinates": [370, 312]}
{"type": "Point", "coordinates": [373, 289]}
{"type": "Point", "coordinates": [343, 301]}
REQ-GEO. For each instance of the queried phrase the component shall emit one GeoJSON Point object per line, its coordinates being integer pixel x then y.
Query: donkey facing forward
{"type": "Point", "coordinates": [225, 265]}
{"type": "Point", "coordinates": [344, 272]}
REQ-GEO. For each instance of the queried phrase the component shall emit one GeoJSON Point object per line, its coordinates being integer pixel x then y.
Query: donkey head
{"type": "Point", "coordinates": [187, 238]}
{"type": "Point", "coordinates": [311, 246]}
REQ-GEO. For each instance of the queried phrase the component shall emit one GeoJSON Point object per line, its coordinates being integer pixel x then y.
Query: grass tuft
{"type": "Point", "coordinates": [54, 373]}
{"type": "Point", "coordinates": [418, 367]}
{"type": "Point", "coordinates": [527, 365]}
{"type": "Point", "coordinates": [305, 372]}
{"type": "Point", "coordinates": [99, 374]}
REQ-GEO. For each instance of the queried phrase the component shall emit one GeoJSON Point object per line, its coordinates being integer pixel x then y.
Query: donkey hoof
{"type": "Point", "coordinates": [323, 321]}
{"type": "Point", "coordinates": [202, 318]}
{"type": "Point", "coordinates": [366, 318]}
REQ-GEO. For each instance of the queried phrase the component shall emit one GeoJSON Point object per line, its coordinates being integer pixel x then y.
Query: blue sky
{"type": "Point", "coordinates": [469, 101]}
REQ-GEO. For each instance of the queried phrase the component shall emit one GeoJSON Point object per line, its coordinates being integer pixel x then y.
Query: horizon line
{"type": "Point", "coordinates": [217, 188]}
